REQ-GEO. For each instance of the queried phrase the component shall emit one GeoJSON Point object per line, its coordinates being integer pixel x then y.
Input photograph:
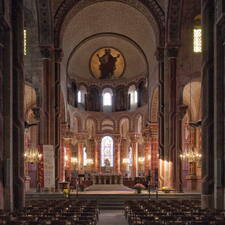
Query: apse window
{"type": "Point", "coordinates": [85, 156]}
{"type": "Point", "coordinates": [79, 97]}
{"type": "Point", "coordinates": [107, 99]}
{"type": "Point", "coordinates": [107, 152]}
{"type": "Point", "coordinates": [25, 42]}
{"type": "Point", "coordinates": [197, 32]}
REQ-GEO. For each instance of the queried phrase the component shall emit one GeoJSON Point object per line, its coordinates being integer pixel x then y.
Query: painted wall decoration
{"type": "Point", "coordinates": [107, 63]}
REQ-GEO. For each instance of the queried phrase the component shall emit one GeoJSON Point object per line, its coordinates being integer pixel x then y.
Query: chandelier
{"type": "Point", "coordinates": [32, 155]}
{"type": "Point", "coordinates": [191, 156]}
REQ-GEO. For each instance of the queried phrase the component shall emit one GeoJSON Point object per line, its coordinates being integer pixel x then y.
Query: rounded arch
{"type": "Point", "coordinates": [107, 124]}
{"type": "Point", "coordinates": [138, 123]}
{"type": "Point", "coordinates": [76, 123]}
{"type": "Point", "coordinates": [124, 127]}
{"type": "Point", "coordinates": [192, 98]}
{"type": "Point", "coordinates": [151, 9]}
{"type": "Point", "coordinates": [91, 127]}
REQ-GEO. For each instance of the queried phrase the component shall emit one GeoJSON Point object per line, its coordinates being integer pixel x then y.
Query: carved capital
{"type": "Point", "coordinates": [172, 52]}
{"type": "Point", "coordinates": [46, 52]}
{"type": "Point", "coordinates": [58, 55]}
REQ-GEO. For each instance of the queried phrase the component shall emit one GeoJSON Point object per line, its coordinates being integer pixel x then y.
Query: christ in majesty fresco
{"type": "Point", "coordinates": [107, 64]}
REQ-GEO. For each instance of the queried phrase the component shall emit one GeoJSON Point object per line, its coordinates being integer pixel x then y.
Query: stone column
{"type": "Point", "coordinates": [1, 121]}
{"type": "Point", "coordinates": [97, 154]}
{"type": "Point", "coordinates": [117, 140]}
{"type": "Point", "coordinates": [47, 134]}
{"type": "Point", "coordinates": [207, 103]}
{"type": "Point", "coordinates": [134, 145]}
{"type": "Point", "coordinates": [160, 59]}
{"type": "Point", "coordinates": [18, 105]}
{"type": "Point", "coordinates": [147, 151]}
{"type": "Point", "coordinates": [58, 59]}
{"type": "Point", "coordinates": [219, 85]}
{"type": "Point", "coordinates": [80, 154]}
{"type": "Point", "coordinates": [170, 119]}
{"type": "Point", "coordinates": [123, 154]}
{"type": "Point", "coordinates": [180, 115]}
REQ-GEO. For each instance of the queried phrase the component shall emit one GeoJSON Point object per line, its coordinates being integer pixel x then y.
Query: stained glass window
{"type": "Point", "coordinates": [85, 156]}
{"type": "Point", "coordinates": [107, 151]}
{"type": "Point", "coordinates": [130, 156]}
{"type": "Point", "coordinates": [197, 40]}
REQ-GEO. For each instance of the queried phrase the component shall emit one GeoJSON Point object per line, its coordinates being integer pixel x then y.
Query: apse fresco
{"type": "Point", "coordinates": [107, 63]}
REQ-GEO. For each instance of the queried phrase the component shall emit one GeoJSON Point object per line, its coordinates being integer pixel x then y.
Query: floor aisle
{"type": "Point", "coordinates": [112, 217]}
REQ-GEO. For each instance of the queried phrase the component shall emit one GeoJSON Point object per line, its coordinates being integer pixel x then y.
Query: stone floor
{"type": "Point", "coordinates": [112, 217]}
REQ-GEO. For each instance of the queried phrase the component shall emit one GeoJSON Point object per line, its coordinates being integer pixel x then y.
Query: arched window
{"type": "Point", "coordinates": [107, 151]}
{"type": "Point", "coordinates": [107, 95]}
{"type": "Point", "coordinates": [107, 99]}
{"type": "Point", "coordinates": [133, 95]}
{"type": "Point", "coordinates": [79, 97]}
{"type": "Point", "coordinates": [85, 156]}
{"type": "Point", "coordinates": [130, 157]}
{"type": "Point", "coordinates": [197, 35]}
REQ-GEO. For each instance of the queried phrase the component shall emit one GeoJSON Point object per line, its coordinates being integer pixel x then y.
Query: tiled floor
{"type": "Point", "coordinates": [112, 217]}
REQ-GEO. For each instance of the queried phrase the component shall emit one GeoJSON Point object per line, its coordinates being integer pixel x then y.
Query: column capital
{"type": "Point", "coordinates": [46, 52]}
{"type": "Point", "coordinates": [117, 138]}
{"type": "Point", "coordinates": [134, 137]}
{"type": "Point", "coordinates": [172, 51]}
{"type": "Point", "coordinates": [58, 55]}
{"type": "Point", "coordinates": [159, 54]}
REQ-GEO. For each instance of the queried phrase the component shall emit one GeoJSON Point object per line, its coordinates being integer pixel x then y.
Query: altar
{"type": "Point", "coordinates": [107, 179]}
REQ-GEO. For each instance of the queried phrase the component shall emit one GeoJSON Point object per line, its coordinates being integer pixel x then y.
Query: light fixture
{"type": "Point", "coordinates": [191, 156]}
{"type": "Point", "coordinates": [141, 159]}
{"type": "Point", "coordinates": [32, 155]}
{"type": "Point", "coordinates": [74, 160]}
{"type": "Point", "coordinates": [89, 161]}
{"type": "Point", "coordinates": [126, 161]}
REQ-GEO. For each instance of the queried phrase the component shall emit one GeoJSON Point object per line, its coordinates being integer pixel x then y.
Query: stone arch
{"type": "Point", "coordinates": [107, 124]}
{"type": "Point", "coordinates": [151, 9]}
{"type": "Point", "coordinates": [124, 127]}
{"type": "Point", "coordinates": [138, 123]}
{"type": "Point", "coordinates": [91, 127]}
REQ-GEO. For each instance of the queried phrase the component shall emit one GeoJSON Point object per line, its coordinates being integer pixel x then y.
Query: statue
{"type": "Point", "coordinates": [107, 165]}
{"type": "Point", "coordinates": [107, 64]}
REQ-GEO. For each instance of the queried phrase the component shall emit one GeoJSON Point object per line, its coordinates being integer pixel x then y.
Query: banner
{"type": "Point", "coordinates": [49, 167]}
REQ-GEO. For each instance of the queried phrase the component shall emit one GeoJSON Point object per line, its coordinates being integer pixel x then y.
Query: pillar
{"type": "Point", "coordinates": [123, 154]}
{"type": "Point", "coordinates": [160, 59]}
{"type": "Point", "coordinates": [182, 109]}
{"type": "Point", "coordinates": [170, 96]}
{"type": "Point", "coordinates": [18, 105]}
{"type": "Point", "coordinates": [80, 154]}
{"type": "Point", "coordinates": [147, 151]}
{"type": "Point", "coordinates": [98, 154]}
{"type": "Point", "coordinates": [117, 140]}
{"type": "Point", "coordinates": [219, 142]}
{"type": "Point", "coordinates": [58, 59]}
{"type": "Point", "coordinates": [134, 145]}
{"type": "Point", "coordinates": [207, 103]}
{"type": "Point", "coordinates": [1, 123]}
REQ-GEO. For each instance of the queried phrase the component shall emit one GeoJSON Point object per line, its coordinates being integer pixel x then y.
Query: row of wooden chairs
{"type": "Point", "coordinates": [171, 212]}
{"type": "Point", "coordinates": [53, 212]}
